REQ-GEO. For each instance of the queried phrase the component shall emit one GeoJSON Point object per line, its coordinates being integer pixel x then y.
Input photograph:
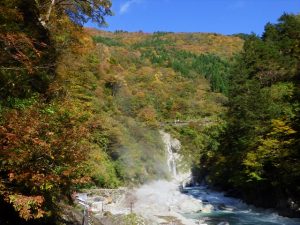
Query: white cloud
{"type": "Point", "coordinates": [126, 5]}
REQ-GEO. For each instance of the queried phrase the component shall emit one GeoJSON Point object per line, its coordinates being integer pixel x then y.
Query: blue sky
{"type": "Point", "coordinates": [219, 16]}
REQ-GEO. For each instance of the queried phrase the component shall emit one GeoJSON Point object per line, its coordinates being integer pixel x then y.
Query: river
{"type": "Point", "coordinates": [232, 211]}
{"type": "Point", "coordinates": [161, 202]}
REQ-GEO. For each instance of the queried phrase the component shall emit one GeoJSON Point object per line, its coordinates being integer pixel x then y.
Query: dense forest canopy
{"type": "Point", "coordinates": [39, 158]}
{"type": "Point", "coordinates": [259, 153]}
{"type": "Point", "coordinates": [82, 108]}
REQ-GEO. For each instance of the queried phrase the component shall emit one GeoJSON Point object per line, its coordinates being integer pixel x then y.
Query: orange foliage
{"type": "Point", "coordinates": [38, 159]}
{"type": "Point", "coordinates": [29, 207]}
{"type": "Point", "coordinates": [148, 115]}
{"type": "Point", "coordinates": [19, 46]}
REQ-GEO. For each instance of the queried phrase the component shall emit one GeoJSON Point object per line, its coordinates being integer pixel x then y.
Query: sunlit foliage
{"type": "Point", "coordinates": [82, 108]}
{"type": "Point", "coordinates": [259, 156]}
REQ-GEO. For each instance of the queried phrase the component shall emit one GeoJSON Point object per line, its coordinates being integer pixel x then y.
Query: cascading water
{"type": "Point", "coordinates": [161, 202]}
{"type": "Point", "coordinates": [171, 160]}
{"type": "Point", "coordinates": [197, 205]}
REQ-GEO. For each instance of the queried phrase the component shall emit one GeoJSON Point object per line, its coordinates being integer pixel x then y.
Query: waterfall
{"type": "Point", "coordinates": [164, 202]}
{"type": "Point", "coordinates": [170, 144]}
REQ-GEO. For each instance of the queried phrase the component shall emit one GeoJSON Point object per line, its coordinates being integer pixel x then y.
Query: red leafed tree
{"type": "Point", "coordinates": [39, 160]}
{"type": "Point", "coordinates": [27, 56]}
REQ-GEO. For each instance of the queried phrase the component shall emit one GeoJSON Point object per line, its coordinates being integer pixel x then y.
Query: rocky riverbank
{"type": "Point", "coordinates": [158, 202]}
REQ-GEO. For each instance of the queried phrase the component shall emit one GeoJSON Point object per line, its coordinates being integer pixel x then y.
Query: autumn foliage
{"type": "Point", "coordinates": [82, 108]}
{"type": "Point", "coordinates": [40, 160]}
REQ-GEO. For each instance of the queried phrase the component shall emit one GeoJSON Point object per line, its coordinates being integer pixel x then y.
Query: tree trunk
{"type": "Point", "coordinates": [50, 10]}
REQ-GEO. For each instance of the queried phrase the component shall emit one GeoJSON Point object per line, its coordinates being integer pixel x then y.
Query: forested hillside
{"type": "Point", "coordinates": [258, 158]}
{"type": "Point", "coordinates": [82, 108]}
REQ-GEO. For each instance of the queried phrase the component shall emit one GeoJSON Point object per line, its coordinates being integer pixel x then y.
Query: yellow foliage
{"type": "Point", "coordinates": [281, 127]}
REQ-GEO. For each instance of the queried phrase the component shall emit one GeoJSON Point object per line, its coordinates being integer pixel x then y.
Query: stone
{"type": "Point", "coordinates": [98, 199]}
{"type": "Point", "coordinates": [175, 145]}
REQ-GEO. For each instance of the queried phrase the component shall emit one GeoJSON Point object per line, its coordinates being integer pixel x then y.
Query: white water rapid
{"type": "Point", "coordinates": [162, 202]}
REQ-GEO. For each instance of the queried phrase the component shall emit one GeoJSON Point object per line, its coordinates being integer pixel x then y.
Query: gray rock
{"type": "Point", "coordinates": [98, 199]}
{"type": "Point", "coordinates": [175, 145]}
